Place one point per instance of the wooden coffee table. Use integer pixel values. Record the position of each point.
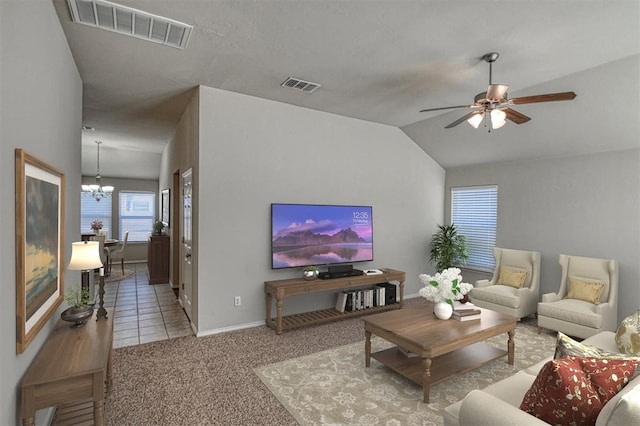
(443, 348)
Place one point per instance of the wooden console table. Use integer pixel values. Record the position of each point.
(72, 365)
(283, 288)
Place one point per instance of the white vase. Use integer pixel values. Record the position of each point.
(443, 310)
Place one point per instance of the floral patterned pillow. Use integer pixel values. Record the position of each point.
(628, 335)
(573, 390)
(565, 345)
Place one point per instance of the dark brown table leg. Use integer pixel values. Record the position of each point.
(367, 348)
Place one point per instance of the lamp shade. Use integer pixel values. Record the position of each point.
(498, 118)
(475, 120)
(85, 255)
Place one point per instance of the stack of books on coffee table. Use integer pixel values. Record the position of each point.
(466, 313)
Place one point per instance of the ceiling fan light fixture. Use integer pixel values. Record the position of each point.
(490, 105)
(475, 120)
(498, 118)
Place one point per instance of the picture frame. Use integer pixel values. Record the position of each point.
(165, 207)
(40, 212)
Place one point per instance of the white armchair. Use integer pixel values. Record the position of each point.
(515, 286)
(585, 281)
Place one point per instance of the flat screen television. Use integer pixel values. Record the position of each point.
(314, 234)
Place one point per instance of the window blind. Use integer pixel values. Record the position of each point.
(474, 211)
(91, 210)
(137, 214)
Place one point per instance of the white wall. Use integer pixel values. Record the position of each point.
(585, 206)
(41, 113)
(255, 152)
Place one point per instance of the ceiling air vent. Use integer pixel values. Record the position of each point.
(304, 86)
(132, 22)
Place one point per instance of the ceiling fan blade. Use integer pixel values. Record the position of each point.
(496, 92)
(515, 116)
(449, 107)
(462, 119)
(549, 97)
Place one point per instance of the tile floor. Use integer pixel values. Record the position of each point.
(144, 313)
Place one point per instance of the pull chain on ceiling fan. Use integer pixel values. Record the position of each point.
(494, 107)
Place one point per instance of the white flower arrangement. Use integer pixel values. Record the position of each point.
(445, 286)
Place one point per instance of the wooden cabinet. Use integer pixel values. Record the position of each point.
(158, 259)
(281, 289)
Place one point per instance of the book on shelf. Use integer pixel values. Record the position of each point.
(341, 302)
(355, 300)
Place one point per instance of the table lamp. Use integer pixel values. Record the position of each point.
(85, 256)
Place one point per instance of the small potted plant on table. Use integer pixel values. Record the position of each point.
(158, 228)
(80, 308)
(310, 273)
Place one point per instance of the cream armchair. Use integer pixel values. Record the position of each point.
(514, 288)
(587, 301)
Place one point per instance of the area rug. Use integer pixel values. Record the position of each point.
(333, 387)
(116, 275)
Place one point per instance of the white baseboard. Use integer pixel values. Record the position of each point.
(230, 328)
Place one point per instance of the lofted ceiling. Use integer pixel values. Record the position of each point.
(377, 60)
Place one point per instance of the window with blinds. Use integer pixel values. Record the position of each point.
(91, 210)
(474, 211)
(137, 214)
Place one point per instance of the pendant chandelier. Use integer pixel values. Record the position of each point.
(98, 191)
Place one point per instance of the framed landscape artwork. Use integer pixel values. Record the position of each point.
(39, 245)
(165, 207)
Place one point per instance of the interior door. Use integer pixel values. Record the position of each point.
(186, 286)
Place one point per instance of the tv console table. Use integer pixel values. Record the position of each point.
(281, 289)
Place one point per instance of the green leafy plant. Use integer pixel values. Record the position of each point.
(158, 227)
(311, 269)
(78, 297)
(448, 248)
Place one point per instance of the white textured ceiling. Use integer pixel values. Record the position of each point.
(377, 60)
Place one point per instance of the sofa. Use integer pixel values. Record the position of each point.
(498, 404)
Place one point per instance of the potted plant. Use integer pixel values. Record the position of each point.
(96, 226)
(448, 248)
(158, 227)
(310, 273)
(80, 308)
(442, 289)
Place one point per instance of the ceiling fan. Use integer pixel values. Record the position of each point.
(494, 107)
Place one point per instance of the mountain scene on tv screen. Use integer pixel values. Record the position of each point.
(302, 248)
(309, 238)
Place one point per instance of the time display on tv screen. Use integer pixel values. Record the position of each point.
(313, 234)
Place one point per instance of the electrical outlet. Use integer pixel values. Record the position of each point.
(237, 301)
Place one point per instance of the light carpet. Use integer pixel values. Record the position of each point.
(333, 387)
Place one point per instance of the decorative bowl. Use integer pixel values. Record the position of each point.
(310, 274)
(77, 315)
